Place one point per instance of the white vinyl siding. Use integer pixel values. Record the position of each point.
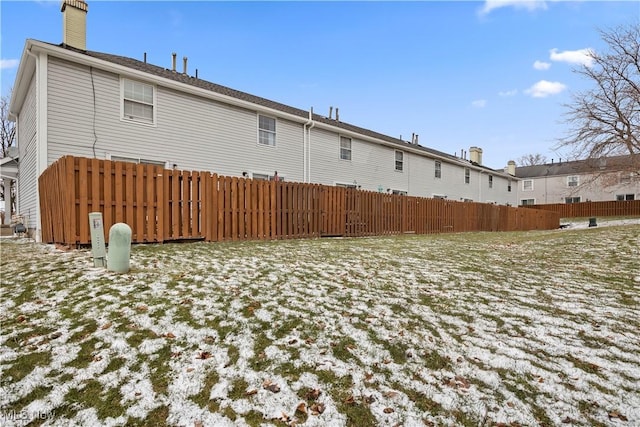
(27, 165)
(193, 132)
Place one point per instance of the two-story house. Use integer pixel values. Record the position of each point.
(68, 100)
(604, 179)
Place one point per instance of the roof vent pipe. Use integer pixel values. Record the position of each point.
(416, 139)
(173, 61)
(330, 111)
(184, 65)
(196, 73)
(145, 57)
(337, 114)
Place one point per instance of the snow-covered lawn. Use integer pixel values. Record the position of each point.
(504, 329)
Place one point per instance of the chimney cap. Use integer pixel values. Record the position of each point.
(78, 4)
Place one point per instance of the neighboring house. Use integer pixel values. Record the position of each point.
(613, 178)
(71, 101)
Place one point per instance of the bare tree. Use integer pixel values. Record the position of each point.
(532, 160)
(605, 120)
(8, 137)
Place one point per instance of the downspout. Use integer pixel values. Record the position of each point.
(34, 222)
(307, 156)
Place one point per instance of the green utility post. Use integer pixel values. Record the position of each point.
(119, 248)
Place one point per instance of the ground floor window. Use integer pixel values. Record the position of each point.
(625, 197)
(527, 202)
(572, 199)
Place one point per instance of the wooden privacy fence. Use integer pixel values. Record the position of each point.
(163, 205)
(593, 209)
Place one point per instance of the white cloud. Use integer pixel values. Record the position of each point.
(6, 64)
(541, 65)
(512, 92)
(580, 56)
(545, 88)
(479, 103)
(529, 5)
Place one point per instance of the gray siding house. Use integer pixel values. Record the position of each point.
(604, 179)
(68, 100)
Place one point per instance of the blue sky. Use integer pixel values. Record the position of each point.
(492, 74)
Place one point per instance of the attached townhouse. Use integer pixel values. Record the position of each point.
(68, 100)
(604, 179)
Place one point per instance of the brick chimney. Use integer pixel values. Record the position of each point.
(74, 23)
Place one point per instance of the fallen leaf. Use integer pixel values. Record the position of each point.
(618, 415)
(203, 355)
(272, 387)
(169, 335)
(190, 369)
(386, 361)
(317, 408)
(198, 424)
(106, 325)
(390, 394)
(312, 394)
(142, 307)
(388, 410)
(368, 376)
(293, 341)
(21, 318)
(349, 400)
(567, 420)
(309, 341)
(251, 392)
(55, 335)
(97, 358)
(209, 340)
(369, 399)
(302, 407)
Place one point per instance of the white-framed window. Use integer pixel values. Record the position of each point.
(490, 181)
(572, 199)
(620, 197)
(467, 175)
(438, 169)
(439, 196)
(572, 181)
(527, 202)
(266, 130)
(264, 176)
(345, 148)
(345, 185)
(509, 186)
(138, 160)
(399, 192)
(138, 101)
(527, 185)
(399, 165)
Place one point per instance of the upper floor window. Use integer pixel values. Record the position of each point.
(138, 101)
(345, 148)
(509, 186)
(490, 181)
(527, 185)
(266, 130)
(467, 175)
(572, 181)
(438, 165)
(399, 161)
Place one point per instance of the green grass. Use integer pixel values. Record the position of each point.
(371, 324)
